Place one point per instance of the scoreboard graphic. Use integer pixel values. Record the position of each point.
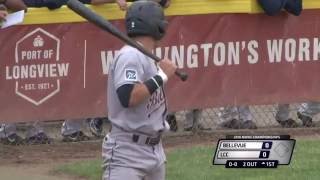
(254, 151)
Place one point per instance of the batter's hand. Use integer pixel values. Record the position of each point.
(167, 67)
(3, 15)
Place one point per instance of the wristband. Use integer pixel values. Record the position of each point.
(153, 83)
(163, 75)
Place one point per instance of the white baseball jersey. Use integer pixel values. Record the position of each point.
(148, 117)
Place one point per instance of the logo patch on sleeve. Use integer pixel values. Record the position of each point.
(131, 75)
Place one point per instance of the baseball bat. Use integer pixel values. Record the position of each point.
(104, 24)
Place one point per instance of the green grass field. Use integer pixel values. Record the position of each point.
(195, 164)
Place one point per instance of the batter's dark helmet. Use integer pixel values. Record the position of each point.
(145, 18)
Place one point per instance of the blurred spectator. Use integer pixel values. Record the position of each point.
(71, 129)
(55, 4)
(122, 4)
(283, 118)
(305, 113)
(273, 7)
(237, 117)
(96, 125)
(193, 122)
(3, 13)
(9, 136)
(163, 3)
(13, 5)
(50, 4)
(35, 135)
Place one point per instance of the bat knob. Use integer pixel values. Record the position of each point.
(182, 75)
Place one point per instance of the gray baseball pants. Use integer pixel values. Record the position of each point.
(124, 159)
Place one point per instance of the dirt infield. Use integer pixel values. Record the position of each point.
(37, 161)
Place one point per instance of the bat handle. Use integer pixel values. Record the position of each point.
(182, 75)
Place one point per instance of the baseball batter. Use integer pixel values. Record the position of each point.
(137, 102)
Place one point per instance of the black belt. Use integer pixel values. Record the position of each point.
(136, 138)
(148, 141)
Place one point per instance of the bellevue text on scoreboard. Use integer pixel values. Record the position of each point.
(254, 151)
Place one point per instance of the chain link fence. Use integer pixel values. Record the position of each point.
(264, 116)
(206, 120)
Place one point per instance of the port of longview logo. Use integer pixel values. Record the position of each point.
(37, 70)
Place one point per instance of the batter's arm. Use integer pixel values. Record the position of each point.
(133, 94)
(139, 93)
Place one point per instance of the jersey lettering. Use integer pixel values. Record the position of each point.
(156, 99)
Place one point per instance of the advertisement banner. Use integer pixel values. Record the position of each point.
(59, 71)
